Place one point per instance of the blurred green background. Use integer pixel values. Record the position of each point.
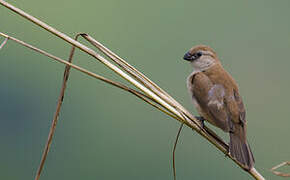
(106, 133)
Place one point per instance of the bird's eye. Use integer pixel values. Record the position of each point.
(198, 54)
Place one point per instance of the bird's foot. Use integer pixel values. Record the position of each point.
(201, 119)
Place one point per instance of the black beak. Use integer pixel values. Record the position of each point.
(187, 56)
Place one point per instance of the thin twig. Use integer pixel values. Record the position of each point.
(3, 43)
(173, 152)
(56, 114)
(278, 173)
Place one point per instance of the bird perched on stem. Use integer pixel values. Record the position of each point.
(216, 97)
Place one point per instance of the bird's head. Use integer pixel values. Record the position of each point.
(201, 57)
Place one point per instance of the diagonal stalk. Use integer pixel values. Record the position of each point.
(114, 83)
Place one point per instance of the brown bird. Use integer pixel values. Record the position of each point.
(216, 97)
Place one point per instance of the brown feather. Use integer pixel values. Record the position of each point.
(201, 92)
(216, 97)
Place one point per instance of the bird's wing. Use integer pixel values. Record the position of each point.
(210, 97)
(236, 108)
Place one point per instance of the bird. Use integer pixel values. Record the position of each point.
(216, 96)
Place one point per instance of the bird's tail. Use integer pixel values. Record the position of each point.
(240, 149)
